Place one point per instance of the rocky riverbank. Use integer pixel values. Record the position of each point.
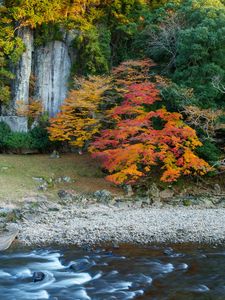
(85, 220)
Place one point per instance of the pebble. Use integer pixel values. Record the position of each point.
(98, 224)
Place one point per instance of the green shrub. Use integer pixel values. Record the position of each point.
(19, 140)
(209, 151)
(40, 140)
(36, 139)
(5, 131)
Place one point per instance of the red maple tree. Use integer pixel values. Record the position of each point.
(143, 138)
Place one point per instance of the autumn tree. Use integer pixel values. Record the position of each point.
(79, 118)
(130, 72)
(32, 110)
(143, 139)
(82, 115)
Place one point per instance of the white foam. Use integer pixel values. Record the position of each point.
(4, 274)
(201, 288)
(117, 286)
(97, 276)
(182, 267)
(161, 268)
(78, 279)
(22, 273)
(34, 296)
(81, 294)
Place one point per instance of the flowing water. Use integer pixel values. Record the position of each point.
(125, 273)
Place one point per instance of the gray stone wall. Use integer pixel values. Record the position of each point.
(17, 124)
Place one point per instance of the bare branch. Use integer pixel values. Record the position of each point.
(217, 84)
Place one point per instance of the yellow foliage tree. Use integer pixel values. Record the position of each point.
(79, 117)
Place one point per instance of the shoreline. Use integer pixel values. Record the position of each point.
(100, 224)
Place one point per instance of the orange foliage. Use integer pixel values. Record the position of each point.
(31, 110)
(131, 72)
(144, 138)
(78, 119)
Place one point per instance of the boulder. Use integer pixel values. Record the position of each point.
(103, 195)
(129, 190)
(68, 195)
(154, 193)
(38, 276)
(166, 194)
(217, 189)
(81, 265)
(8, 236)
(55, 154)
(65, 179)
(43, 187)
(39, 179)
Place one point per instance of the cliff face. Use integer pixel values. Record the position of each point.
(23, 70)
(50, 66)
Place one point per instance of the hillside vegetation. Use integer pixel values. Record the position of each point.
(147, 88)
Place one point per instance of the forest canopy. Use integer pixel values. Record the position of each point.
(185, 38)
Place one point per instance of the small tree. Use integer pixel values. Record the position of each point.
(78, 119)
(144, 138)
(32, 110)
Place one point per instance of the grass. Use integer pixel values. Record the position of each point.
(16, 172)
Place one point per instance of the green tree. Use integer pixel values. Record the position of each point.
(188, 42)
(11, 47)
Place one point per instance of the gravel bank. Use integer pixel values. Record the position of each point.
(98, 223)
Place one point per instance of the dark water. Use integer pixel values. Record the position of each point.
(125, 273)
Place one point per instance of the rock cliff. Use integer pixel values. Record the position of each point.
(50, 67)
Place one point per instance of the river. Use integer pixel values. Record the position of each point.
(156, 272)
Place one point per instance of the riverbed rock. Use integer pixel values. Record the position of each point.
(68, 195)
(168, 251)
(166, 194)
(55, 154)
(217, 189)
(129, 190)
(122, 203)
(34, 198)
(103, 195)
(5, 210)
(50, 206)
(220, 203)
(154, 193)
(66, 179)
(63, 179)
(38, 276)
(43, 187)
(39, 179)
(204, 201)
(81, 265)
